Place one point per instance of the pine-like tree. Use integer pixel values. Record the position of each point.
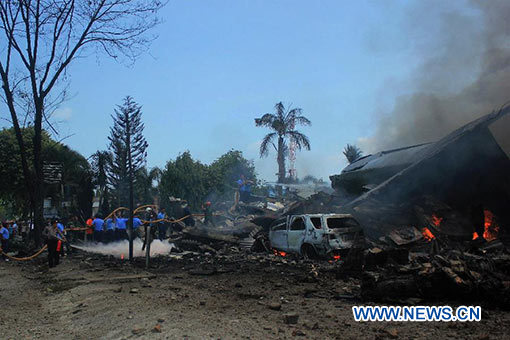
(128, 146)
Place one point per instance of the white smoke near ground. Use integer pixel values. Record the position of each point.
(464, 72)
(121, 248)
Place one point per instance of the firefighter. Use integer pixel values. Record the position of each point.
(150, 228)
(208, 215)
(109, 235)
(162, 226)
(244, 188)
(120, 227)
(4, 237)
(89, 232)
(51, 235)
(98, 224)
(186, 214)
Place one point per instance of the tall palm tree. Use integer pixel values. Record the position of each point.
(283, 123)
(352, 153)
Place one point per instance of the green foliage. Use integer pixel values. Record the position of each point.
(12, 185)
(195, 182)
(76, 170)
(101, 160)
(283, 124)
(225, 171)
(126, 143)
(146, 185)
(185, 178)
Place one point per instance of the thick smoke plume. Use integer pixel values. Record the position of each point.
(464, 73)
(121, 248)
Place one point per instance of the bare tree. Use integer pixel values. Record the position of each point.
(39, 39)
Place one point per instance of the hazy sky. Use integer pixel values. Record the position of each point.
(219, 64)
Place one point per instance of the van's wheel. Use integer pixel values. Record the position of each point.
(309, 252)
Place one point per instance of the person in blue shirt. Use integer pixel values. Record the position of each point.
(98, 225)
(110, 232)
(4, 237)
(120, 228)
(136, 222)
(15, 228)
(61, 228)
(244, 189)
(162, 226)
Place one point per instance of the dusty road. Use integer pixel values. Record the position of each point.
(89, 297)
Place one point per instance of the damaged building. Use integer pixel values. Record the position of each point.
(461, 181)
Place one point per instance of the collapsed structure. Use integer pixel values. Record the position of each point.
(434, 215)
(465, 177)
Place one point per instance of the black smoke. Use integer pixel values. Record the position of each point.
(464, 71)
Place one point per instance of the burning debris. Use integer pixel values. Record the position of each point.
(447, 188)
(491, 229)
(452, 274)
(434, 227)
(427, 234)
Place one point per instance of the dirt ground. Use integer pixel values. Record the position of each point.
(196, 297)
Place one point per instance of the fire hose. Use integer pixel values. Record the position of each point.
(40, 251)
(28, 258)
(144, 222)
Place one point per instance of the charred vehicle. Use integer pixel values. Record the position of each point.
(316, 235)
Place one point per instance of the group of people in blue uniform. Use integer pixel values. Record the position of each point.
(115, 228)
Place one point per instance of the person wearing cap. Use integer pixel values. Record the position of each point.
(61, 228)
(89, 232)
(244, 186)
(4, 237)
(208, 216)
(150, 215)
(186, 212)
(98, 225)
(52, 235)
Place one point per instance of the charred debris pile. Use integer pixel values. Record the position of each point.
(435, 218)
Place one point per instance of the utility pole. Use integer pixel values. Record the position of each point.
(130, 178)
(148, 240)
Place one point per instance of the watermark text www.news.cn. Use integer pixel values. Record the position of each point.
(417, 313)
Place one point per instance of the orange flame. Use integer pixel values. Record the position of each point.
(427, 234)
(436, 221)
(491, 229)
(475, 235)
(335, 258)
(279, 252)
